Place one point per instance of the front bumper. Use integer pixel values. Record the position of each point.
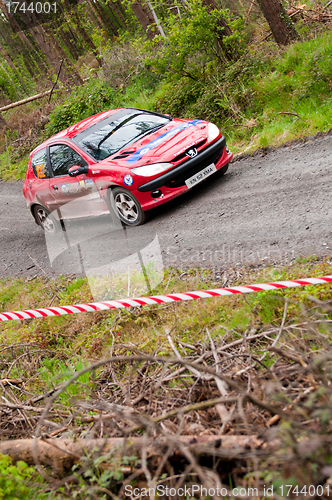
(176, 177)
(169, 192)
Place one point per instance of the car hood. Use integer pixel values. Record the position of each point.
(161, 146)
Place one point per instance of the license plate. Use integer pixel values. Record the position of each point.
(200, 176)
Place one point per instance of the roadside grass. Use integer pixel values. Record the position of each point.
(11, 169)
(89, 336)
(299, 83)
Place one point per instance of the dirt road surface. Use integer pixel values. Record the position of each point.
(267, 208)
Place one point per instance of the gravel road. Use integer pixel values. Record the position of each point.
(267, 208)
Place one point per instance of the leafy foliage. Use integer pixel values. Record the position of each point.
(193, 46)
(223, 97)
(56, 372)
(87, 100)
(14, 481)
(105, 471)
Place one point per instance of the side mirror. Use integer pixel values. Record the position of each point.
(77, 170)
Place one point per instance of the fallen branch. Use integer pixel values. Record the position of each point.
(34, 97)
(285, 354)
(203, 405)
(10, 381)
(24, 101)
(62, 454)
(289, 113)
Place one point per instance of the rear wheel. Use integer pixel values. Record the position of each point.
(44, 219)
(127, 207)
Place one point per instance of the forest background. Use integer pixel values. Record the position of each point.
(260, 70)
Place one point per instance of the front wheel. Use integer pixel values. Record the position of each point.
(127, 207)
(44, 219)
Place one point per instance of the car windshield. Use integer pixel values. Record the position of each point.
(117, 131)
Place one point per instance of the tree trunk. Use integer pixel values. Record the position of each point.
(280, 24)
(145, 18)
(53, 52)
(11, 65)
(3, 122)
(231, 53)
(67, 40)
(95, 12)
(156, 20)
(116, 11)
(7, 57)
(24, 101)
(50, 47)
(112, 19)
(15, 26)
(61, 454)
(15, 48)
(85, 36)
(108, 22)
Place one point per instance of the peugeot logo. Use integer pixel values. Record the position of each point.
(192, 152)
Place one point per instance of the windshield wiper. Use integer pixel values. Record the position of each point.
(143, 134)
(116, 128)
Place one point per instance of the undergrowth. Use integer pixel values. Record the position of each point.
(19, 481)
(38, 356)
(267, 97)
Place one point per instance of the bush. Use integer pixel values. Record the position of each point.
(224, 97)
(195, 42)
(84, 101)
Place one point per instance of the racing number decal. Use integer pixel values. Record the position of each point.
(40, 169)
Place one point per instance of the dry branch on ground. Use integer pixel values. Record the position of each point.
(219, 401)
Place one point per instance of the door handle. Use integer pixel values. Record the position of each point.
(55, 187)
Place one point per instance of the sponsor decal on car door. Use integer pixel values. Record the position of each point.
(73, 196)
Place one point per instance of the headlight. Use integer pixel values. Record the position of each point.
(153, 169)
(213, 131)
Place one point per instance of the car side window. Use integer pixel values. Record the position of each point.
(39, 165)
(62, 158)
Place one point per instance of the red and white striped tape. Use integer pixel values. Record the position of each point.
(159, 299)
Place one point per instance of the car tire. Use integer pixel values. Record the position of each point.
(45, 219)
(127, 207)
(223, 170)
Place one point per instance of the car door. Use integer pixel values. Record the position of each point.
(71, 195)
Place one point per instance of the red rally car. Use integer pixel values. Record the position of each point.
(125, 160)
